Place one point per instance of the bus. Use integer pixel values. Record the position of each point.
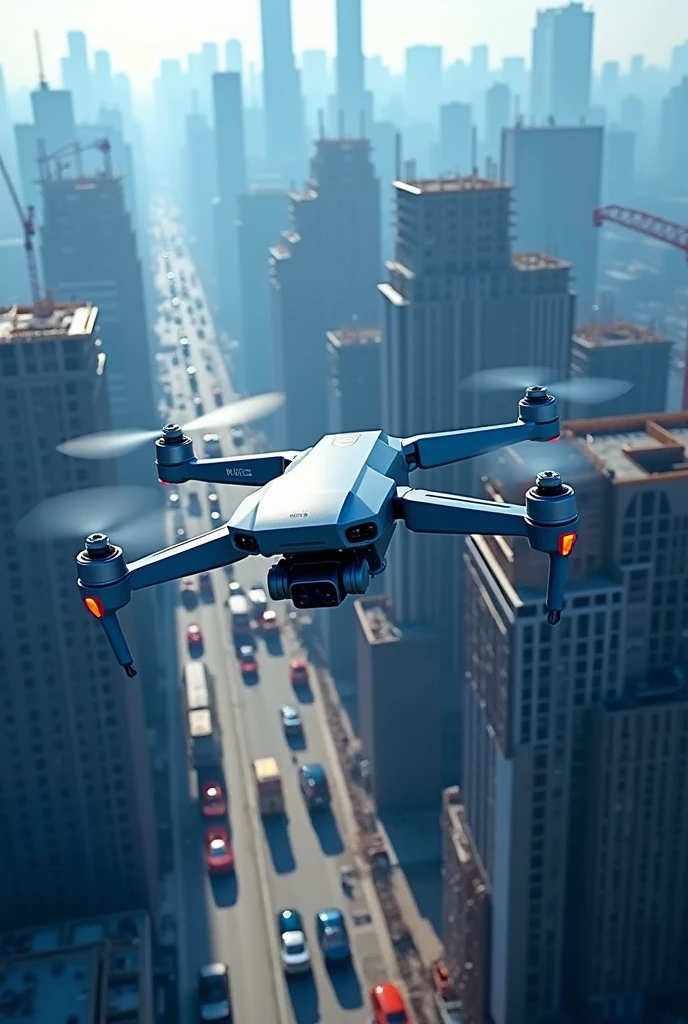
(240, 611)
(268, 785)
(196, 686)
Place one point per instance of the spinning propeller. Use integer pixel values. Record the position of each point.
(583, 390)
(112, 444)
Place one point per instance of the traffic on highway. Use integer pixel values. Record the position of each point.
(265, 927)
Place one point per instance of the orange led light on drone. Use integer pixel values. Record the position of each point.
(566, 542)
(95, 606)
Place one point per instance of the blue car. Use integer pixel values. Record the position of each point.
(333, 937)
(314, 786)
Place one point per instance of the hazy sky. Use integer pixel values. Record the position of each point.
(139, 32)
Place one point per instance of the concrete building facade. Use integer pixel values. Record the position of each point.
(561, 64)
(77, 825)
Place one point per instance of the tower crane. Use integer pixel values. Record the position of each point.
(28, 223)
(675, 235)
(57, 161)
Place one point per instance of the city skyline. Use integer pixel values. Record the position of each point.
(504, 27)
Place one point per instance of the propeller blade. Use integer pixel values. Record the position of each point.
(246, 410)
(106, 444)
(112, 444)
(75, 514)
(583, 390)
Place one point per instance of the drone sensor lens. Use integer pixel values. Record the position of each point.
(364, 531)
(245, 542)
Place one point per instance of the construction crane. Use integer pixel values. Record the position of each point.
(55, 163)
(675, 235)
(28, 223)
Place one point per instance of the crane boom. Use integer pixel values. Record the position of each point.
(29, 229)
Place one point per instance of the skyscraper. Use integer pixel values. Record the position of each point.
(456, 302)
(456, 139)
(351, 102)
(263, 214)
(76, 76)
(556, 174)
(497, 117)
(9, 225)
(284, 115)
(79, 212)
(230, 149)
(324, 276)
(562, 65)
(673, 142)
(200, 191)
(234, 56)
(53, 128)
(574, 799)
(77, 828)
(103, 82)
(423, 83)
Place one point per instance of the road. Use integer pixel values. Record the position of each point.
(296, 864)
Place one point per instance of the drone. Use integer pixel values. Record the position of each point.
(329, 514)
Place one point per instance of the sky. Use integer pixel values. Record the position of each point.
(138, 33)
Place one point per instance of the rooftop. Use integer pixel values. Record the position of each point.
(63, 320)
(83, 972)
(630, 449)
(538, 261)
(617, 333)
(354, 336)
(375, 616)
(429, 185)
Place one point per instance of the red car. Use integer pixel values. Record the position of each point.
(219, 857)
(387, 1004)
(194, 637)
(247, 661)
(213, 800)
(298, 672)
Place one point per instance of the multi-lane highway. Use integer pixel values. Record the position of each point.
(293, 864)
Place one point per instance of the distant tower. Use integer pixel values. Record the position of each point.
(351, 100)
(284, 121)
(562, 64)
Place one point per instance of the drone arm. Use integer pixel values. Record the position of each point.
(249, 470)
(428, 512)
(200, 554)
(427, 451)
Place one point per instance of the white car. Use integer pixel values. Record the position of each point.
(295, 955)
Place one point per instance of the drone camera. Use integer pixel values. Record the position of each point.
(318, 584)
(319, 594)
(363, 531)
(245, 542)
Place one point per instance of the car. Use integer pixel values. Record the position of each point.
(173, 498)
(194, 636)
(200, 334)
(194, 503)
(193, 378)
(199, 408)
(238, 436)
(214, 505)
(206, 584)
(298, 672)
(218, 397)
(179, 527)
(268, 621)
(170, 275)
(235, 588)
(293, 945)
(387, 1004)
(184, 341)
(175, 302)
(214, 993)
(213, 801)
(219, 856)
(187, 589)
(258, 599)
(165, 255)
(314, 786)
(333, 937)
(247, 661)
(291, 720)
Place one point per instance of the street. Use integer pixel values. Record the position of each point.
(295, 864)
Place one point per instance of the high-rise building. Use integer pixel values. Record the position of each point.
(574, 796)
(10, 227)
(673, 148)
(457, 302)
(52, 129)
(234, 56)
(556, 174)
(351, 101)
(497, 117)
(324, 276)
(561, 65)
(77, 828)
(230, 149)
(263, 215)
(456, 156)
(103, 81)
(316, 87)
(79, 212)
(284, 115)
(200, 191)
(618, 167)
(76, 76)
(384, 140)
(393, 717)
(423, 83)
(627, 352)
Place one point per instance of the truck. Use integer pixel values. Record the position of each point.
(240, 612)
(197, 686)
(204, 739)
(266, 772)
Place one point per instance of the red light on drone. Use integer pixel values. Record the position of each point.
(95, 606)
(165, 483)
(566, 542)
(553, 440)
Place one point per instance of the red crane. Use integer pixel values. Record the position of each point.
(28, 223)
(675, 235)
